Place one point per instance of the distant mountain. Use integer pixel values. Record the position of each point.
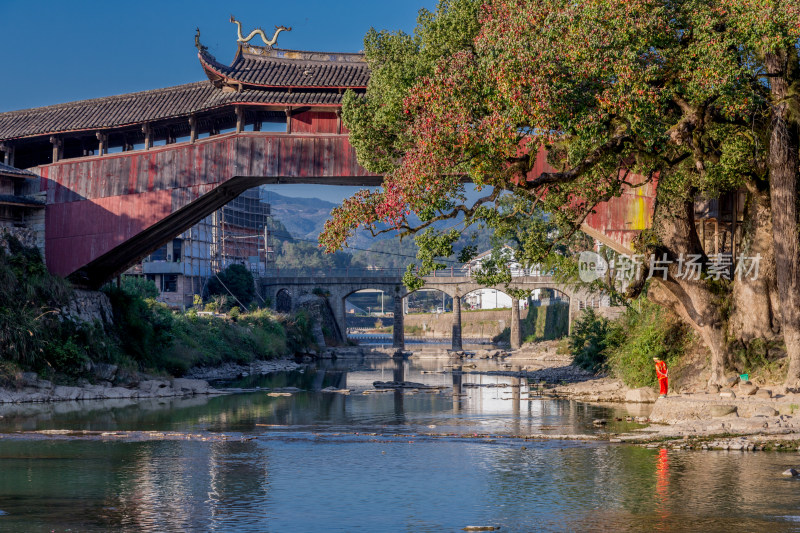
(304, 218)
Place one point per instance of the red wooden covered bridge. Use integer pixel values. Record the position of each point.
(124, 174)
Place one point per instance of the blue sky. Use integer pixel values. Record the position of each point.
(57, 51)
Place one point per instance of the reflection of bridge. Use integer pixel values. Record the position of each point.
(286, 286)
(125, 174)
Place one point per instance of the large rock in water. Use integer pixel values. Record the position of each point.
(641, 395)
(721, 410)
(400, 385)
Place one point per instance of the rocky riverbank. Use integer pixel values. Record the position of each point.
(33, 389)
(739, 417)
(234, 370)
(111, 384)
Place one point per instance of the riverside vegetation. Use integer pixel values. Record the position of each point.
(624, 348)
(146, 336)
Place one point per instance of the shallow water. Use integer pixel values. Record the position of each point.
(426, 461)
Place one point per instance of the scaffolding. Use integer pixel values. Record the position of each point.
(237, 233)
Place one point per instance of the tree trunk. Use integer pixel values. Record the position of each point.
(755, 309)
(691, 299)
(782, 161)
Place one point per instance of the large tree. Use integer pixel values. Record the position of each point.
(698, 95)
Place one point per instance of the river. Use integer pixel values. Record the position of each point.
(432, 460)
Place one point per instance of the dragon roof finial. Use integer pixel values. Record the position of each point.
(258, 31)
(197, 43)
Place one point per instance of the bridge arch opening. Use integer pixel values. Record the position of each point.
(369, 314)
(546, 315)
(283, 301)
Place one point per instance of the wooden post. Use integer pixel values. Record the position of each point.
(148, 139)
(703, 234)
(339, 121)
(102, 140)
(288, 112)
(192, 128)
(716, 235)
(239, 119)
(8, 154)
(58, 151)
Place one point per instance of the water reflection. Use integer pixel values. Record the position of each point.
(318, 461)
(457, 403)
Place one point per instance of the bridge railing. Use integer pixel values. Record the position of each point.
(454, 271)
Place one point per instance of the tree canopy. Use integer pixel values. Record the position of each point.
(236, 281)
(698, 96)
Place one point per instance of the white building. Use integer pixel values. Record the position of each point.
(492, 298)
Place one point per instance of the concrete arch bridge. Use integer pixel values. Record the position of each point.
(287, 286)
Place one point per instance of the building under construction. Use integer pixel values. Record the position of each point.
(238, 233)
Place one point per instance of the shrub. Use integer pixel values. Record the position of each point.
(643, 334)
(591, 337)
(137, 286)
(29, 301)
(235, 280)
(144, 326)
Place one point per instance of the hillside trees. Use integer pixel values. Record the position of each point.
(698, 95)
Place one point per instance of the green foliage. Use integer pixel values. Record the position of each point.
(235, 281)
(592, 336)
(299, 332)
(643, 332)
(30, 299)
(67, 355)
(146, 334)
(138, 286)
(757, 357)
(299, 255)
(144, 327)
(397, 60)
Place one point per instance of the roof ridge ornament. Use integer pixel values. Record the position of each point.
(258, 31)
(197, 43)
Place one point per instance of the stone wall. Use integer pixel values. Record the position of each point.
(89, 306)
(321, 314)
(30, 237)
(475, 324)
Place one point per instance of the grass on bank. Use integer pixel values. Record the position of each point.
(625, 347)
(35, 334)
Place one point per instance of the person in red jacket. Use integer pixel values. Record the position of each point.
(661, 374)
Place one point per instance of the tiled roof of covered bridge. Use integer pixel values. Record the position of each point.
(264, 67)
(145, 106)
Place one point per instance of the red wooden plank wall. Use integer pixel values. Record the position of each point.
(96, 203)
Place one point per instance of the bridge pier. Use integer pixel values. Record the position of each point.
(339, 308)
(572, 307)
(398, 335)
(516, 334)
(456, 345)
